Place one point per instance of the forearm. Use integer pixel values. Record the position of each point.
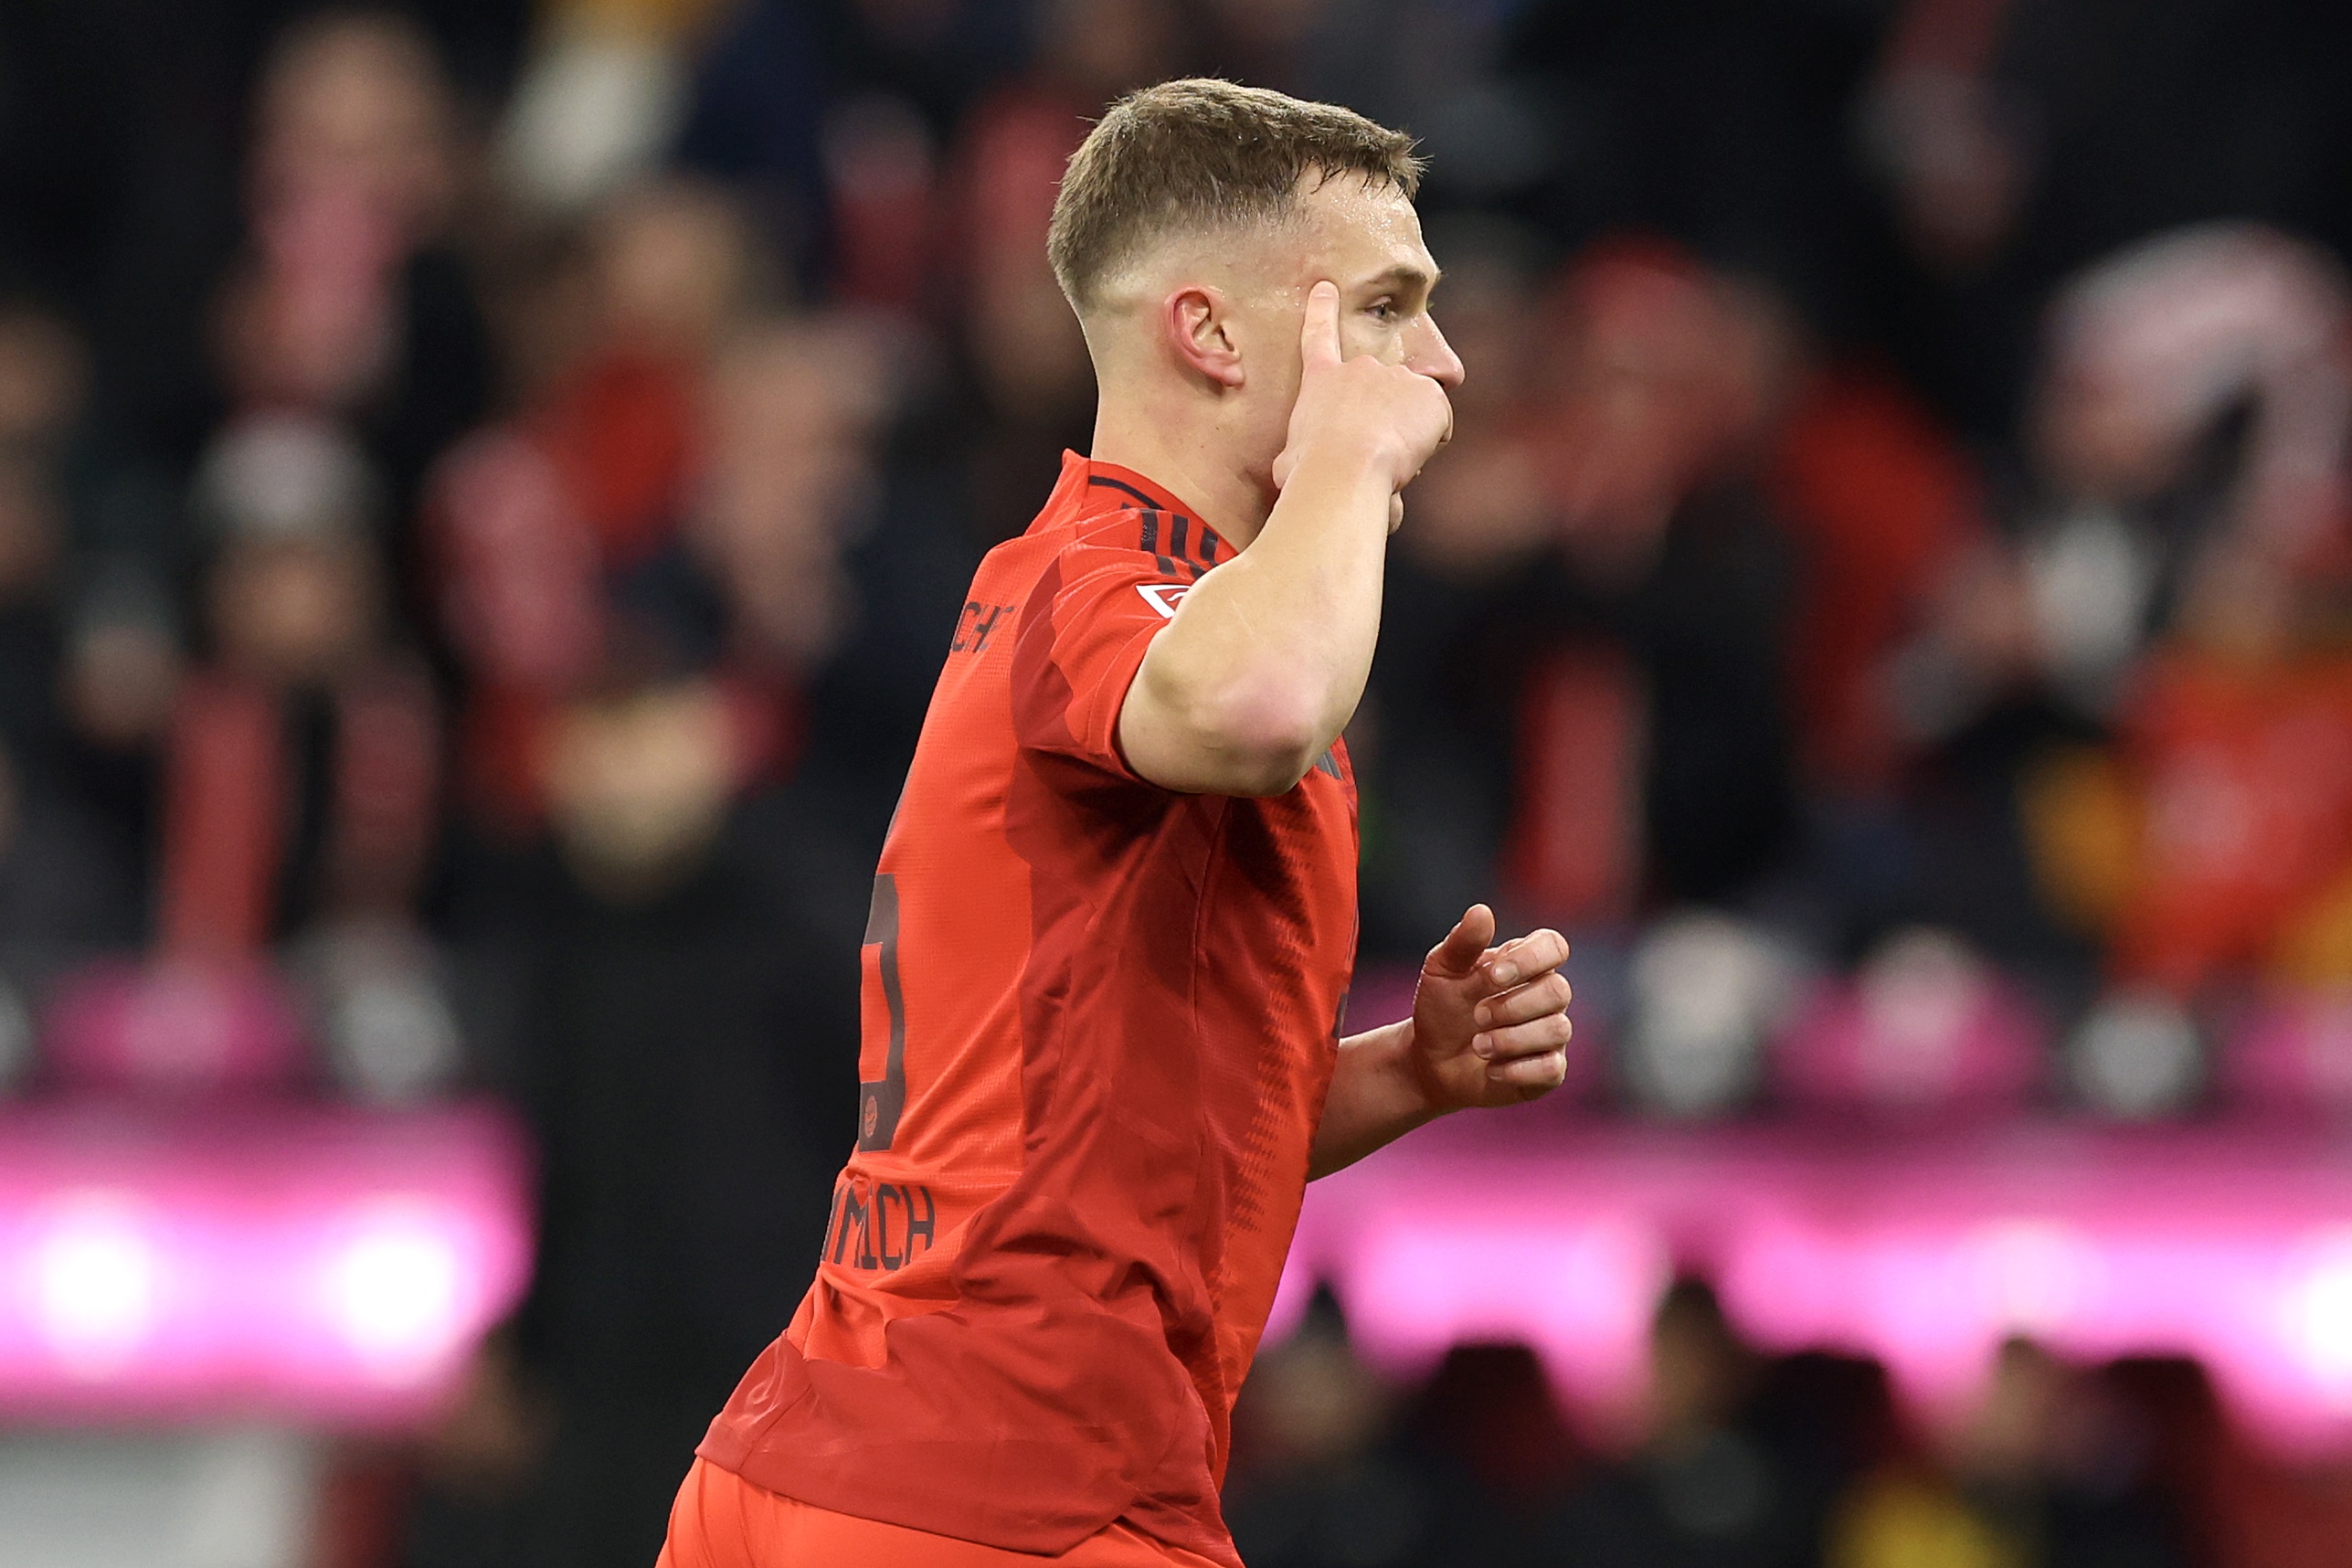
(1376, 1098)
(1266, 657)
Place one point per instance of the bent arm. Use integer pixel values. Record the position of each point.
(1265, 659)
(1489, 1027)
(1376, 1099)
(1267, 654)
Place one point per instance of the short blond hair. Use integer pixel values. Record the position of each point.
(1204, 153)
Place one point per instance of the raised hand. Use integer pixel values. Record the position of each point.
(1490, 1023)
(1395, 416)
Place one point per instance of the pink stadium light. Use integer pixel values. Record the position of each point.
(323, 1265)
(2292, 1051)
(176, 1028)
(2231, 1245)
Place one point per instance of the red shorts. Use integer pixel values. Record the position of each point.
(721, 1520)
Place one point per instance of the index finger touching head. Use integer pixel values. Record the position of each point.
(1318, 331)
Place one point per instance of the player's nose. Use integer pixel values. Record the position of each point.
(1434, 357)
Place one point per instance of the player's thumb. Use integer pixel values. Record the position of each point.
(1465, 945)
(1318, 330)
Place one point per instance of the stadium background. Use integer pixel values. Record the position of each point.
(483, 492)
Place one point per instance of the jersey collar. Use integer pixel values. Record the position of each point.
(1089, 486)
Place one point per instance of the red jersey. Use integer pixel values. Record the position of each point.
(1099, 1021)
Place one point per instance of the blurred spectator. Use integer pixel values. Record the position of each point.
(304, 755)
(2188, 447)
(349, 301)
(1710, 1483)
(2172, 593)
(2229, 1503)
(2019, 142)
(126, 124)
(818, 167)
(530, 517)
(2195, 403)
(1630, 669)
(2050, 1469)
(681, 990)
(1019, 345)
(120, 676)
(1486, 1428)
(1324, 1484)
(602, 99)
(41, 375)
(791, 479)
(69, 882)
(64, 890)
(672, 269)
(1888, 510)
(1432, 741)
(681, 963)
(883, 187)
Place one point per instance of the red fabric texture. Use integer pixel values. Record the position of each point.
(721, 1520)
(1115, 1013)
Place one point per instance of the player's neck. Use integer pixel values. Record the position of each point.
(1195, 471)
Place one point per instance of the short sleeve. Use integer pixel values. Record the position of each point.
(1082, 634)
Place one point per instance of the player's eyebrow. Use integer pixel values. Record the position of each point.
(1407, 275)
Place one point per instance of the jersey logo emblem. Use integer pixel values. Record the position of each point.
(1163, 597)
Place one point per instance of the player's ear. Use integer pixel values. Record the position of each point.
(1199, 327)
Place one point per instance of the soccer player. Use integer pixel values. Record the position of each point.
(1115, 919)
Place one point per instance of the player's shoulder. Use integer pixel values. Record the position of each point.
(1100, 520)
(1079, 540)
(1117, 518)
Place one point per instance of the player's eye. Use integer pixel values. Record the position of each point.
(1385, 311)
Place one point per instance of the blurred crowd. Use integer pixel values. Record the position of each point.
(1738, 1460)
(484, 490)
